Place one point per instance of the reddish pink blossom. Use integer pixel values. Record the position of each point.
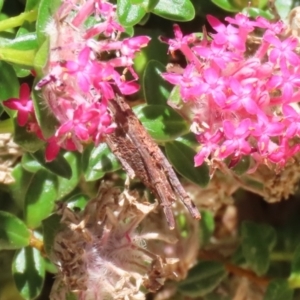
(241, 104)
(227, 35)
(23, 104)
(83, 73)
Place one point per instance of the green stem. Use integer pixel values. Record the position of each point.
(13, 22)
(7, 126)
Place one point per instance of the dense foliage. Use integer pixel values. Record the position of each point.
(101, 101)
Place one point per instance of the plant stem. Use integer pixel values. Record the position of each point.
(37, 244)
(13, 22)
(233, 269)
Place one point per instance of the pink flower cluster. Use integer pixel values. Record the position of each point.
(244, 90)
(87, 65)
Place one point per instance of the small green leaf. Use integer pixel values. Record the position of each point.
(30, 164)
(65, 186)
(24, 58)
(51, 226)
(181, 156)
(78, 201)
(19, 188)
(59, 166)
(254, 12)
(9, 84)
(175, 10)
(41, 58)
(96, 161)
(226, 5)
(23, 42)
(243, 166)
(278, 289)
(31, 4)
(283, 7)
(50, 266)
(257, 242)
(45, 118)
(207, 227)
(156, 89)
(27, 140)
(40, 198)
(202, 279)
(13, 232)
(161, 122)
(129, 14)
(29, 272)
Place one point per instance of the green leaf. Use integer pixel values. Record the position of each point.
(202, 279)
(181, 156)
(129, 14)
(278, 289)
(78, 201)
(45, 12)
(41, 59)
(96, 161)
(254, 12)
(294, 279)
(44, 116)
(40, 198)
(29, 272)
(29, 163)
(27, 140)
(65, 186)
(175, 10)
(22, 42)
(24, 58)
(19, 188)
(156, 89)
(284, 7)
(31, 4)
(50, 266)
(226, 5)
(9, 84)
(207, 227)
(257, 242)
(243, 166)
(51, 226)
(161, 122)
(13, 232)
(59, 166)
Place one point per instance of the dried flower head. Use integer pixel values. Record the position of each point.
(102, 253)
(9, 153)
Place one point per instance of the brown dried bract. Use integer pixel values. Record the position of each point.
(141, 157)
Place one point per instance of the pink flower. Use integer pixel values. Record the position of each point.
(283, 51)
(236, 139)
(227, 35)
(81, 69)
(23, 104)
(239, 101)
(83, 73)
